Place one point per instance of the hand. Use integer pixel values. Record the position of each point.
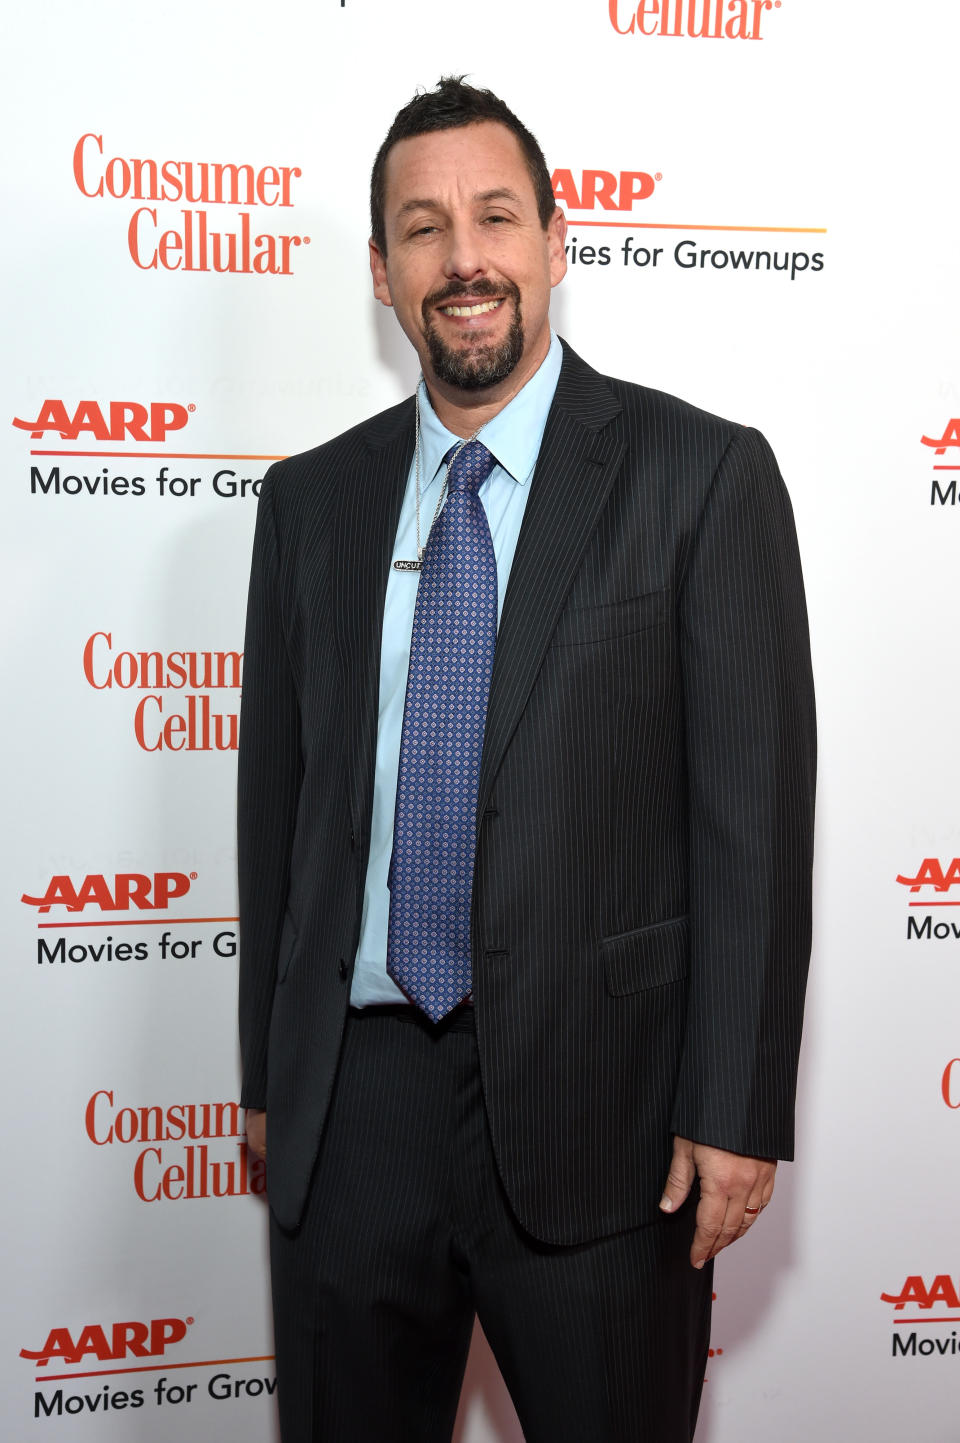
(733, 1191)
(257, 1132)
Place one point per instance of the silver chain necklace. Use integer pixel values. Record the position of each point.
(416, 565)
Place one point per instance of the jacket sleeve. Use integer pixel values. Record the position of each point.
(751, 759)
(270, 775)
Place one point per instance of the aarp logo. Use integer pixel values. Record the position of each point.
(612, 190)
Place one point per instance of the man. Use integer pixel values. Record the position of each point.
(524, 931)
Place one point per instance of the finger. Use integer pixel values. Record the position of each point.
(711, 1216)
(257, 1134)
(751, 1212)
(730, 1228)
(678, 1183)
(755, 1206)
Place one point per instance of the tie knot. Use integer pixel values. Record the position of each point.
(471, 467)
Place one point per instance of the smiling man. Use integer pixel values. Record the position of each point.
(525, 820)
(463, 243)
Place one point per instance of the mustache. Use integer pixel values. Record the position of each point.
(482, 289)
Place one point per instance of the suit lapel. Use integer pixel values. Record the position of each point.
(577, 465)
(367, 528)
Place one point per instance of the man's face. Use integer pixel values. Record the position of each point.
(468, 267)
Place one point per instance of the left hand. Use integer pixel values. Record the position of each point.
(733, 1191)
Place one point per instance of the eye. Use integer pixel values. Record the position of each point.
(420, 230)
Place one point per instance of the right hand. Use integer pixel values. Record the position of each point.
(257, 1132)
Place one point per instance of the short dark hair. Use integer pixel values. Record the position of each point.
(451, 105)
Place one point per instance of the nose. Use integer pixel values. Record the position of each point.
(465, 258)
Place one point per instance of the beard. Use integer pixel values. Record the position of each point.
(473, 367)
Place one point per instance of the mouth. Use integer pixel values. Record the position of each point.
(478, 308)
(469, 347)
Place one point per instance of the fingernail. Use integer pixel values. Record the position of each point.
(666, 1204)
(700, 1264)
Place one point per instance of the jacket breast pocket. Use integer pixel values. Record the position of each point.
(647, 957)
(579, 625)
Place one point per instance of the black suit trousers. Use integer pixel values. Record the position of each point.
(407, 1235)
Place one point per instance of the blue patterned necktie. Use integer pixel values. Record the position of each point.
(434, 835)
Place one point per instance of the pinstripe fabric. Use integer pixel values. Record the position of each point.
(641, 915)
(407, 1231)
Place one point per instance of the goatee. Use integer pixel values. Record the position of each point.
(474, 367)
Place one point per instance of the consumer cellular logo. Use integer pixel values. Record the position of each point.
(950, 1084)
(193, 723)
(692, 19)
(193, 238)
(185, 1151)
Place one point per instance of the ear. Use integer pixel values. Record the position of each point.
(378, 269)
(556, 241)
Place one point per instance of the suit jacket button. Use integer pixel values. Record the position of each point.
(343, 969)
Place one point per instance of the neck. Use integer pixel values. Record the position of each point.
(464, 419)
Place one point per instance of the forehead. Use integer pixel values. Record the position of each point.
(446, 165)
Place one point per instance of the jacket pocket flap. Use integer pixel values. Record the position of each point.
(616, 618)
(648, 957)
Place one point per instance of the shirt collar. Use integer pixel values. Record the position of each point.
(513, 435)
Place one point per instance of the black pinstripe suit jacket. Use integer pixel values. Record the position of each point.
(641, 920)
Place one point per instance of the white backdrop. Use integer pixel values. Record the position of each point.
(134, 1269)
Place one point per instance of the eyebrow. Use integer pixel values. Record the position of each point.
(502, 193)
(483, 197)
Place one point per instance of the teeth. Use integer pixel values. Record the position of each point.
(477, 310)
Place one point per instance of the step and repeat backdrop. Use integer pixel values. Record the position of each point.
(763, 218)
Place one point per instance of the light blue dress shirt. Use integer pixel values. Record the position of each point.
(514, 437)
